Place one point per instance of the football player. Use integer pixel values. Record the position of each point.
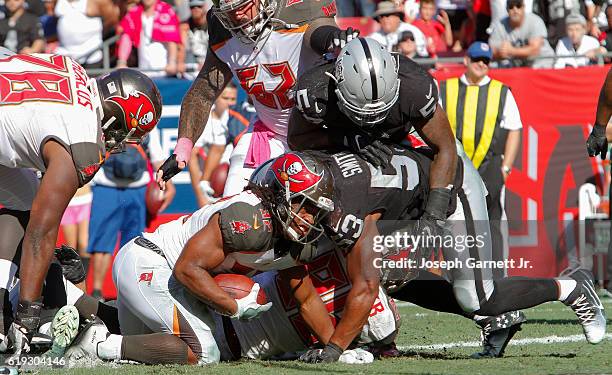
(369, 202)
(165, 278)
(265, 45)
(56, 122)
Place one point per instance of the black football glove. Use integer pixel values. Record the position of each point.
(597, 143)
(170, 168)
(374, 152)
(330, 353)
(27, 320)
(72, 266)
(430, 225)
(341, 37)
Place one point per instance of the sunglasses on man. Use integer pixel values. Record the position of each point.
(514, 5)
(483, 59)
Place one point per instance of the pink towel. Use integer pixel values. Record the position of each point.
(259, 148)
(165, 24)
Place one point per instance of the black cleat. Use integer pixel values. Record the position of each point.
(497, 331)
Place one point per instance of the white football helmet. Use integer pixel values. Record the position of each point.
(249, 31)
(367, 83)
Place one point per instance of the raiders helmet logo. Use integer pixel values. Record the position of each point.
(291, 170)
(138, 111)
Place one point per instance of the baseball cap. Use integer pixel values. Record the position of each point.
(574, 18)
(479, 49)
(199, 3)
(406, 35)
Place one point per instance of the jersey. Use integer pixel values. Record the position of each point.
(246, 230)
(269, 71)
(45, 97)
(418, 98)
(282, 329)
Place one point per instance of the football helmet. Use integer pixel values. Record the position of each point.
(298, 180)
(367, 83)
(130, 106)
(252, 28)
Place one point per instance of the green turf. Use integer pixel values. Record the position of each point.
(423, 327)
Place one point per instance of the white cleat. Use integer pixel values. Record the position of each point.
(85, 345)
(64, 328)
(588, 307)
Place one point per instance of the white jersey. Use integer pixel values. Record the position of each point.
(44, 97)
(269, 71)
(282, 330)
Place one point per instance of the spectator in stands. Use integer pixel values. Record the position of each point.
(75, 222)
(220, 132)
(79, 29)
(492, 141)
(457, 11)
(576, 43)
(197, 40)
(49, 25)
(607, 41)
(118, 207)
(437, 31)
(153, 28)
(554, 17)
(520, 37)
(390, 17)
(21, 31)
(411, 10)
(355, 8)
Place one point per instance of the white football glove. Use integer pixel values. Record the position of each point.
(248, 308)
(207, 190)
(356, 357)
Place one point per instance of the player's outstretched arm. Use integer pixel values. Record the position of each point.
(195, 109)
(202, 253)
(57, 187)
(597, 142)
(365, 280)
(437, 133)
(306, 135)
(312, 309)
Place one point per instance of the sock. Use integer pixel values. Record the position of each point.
(110, 348)
(478, 318)
(155, 349)
(518, 293)
(87, 306)
(566, 287)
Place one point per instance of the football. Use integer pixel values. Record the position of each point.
(217, 179)
(239, 286)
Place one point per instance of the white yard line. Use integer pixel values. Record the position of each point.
(519, 342)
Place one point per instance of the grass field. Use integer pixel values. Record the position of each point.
(423, 331)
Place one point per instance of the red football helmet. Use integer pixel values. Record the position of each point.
(298, 180)
(131, 106)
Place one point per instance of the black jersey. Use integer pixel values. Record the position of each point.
(418, 99)
(397, 192)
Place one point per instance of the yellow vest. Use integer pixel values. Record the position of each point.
(474, 113)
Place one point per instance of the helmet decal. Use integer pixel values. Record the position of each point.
(138, 110)
(290, 169)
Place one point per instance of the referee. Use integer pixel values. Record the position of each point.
(484, 116)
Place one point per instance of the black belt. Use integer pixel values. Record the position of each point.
(143, 242)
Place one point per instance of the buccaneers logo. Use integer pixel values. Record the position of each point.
(290, 169)
(138, 111)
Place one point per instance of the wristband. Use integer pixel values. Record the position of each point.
(183, 148)
(437, 202)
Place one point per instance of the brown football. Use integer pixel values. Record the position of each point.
(217, 179)
(239, 286)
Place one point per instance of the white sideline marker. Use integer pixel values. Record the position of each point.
(519, 342)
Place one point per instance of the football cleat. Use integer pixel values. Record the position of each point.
(587, 306)
(85, 344)
(496, 332)
(64, 328)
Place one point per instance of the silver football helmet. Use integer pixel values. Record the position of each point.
(252, 29)
(367, 83)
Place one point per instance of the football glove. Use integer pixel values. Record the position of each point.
(170, 168)
(341, 37)
(72, 266)
(330, 353)
(597, 143)
(27, 320)
(248, 308)
(374, 152)
(207, 190)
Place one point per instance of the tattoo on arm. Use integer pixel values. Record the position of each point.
(203, 92)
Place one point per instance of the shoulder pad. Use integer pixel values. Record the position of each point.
(245, 227)
(301, 12)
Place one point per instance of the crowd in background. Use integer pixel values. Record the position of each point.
(170, 36)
